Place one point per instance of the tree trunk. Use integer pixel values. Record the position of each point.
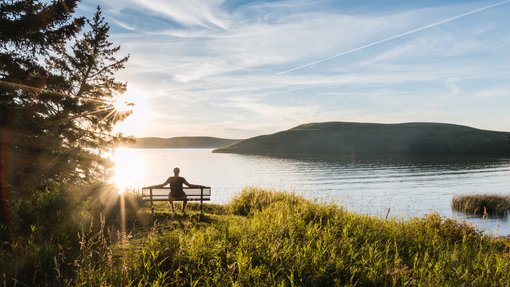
(5, 214)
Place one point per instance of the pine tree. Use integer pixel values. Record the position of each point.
(86, 113)
(29, 31)
(57, 87)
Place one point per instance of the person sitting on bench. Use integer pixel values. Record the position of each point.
(176, 190)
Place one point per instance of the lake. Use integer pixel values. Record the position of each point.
(404, 187)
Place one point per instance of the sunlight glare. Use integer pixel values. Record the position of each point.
(139, 120)
(121, 105)
(127, 170)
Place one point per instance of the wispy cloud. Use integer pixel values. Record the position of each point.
(186, 13)
(399, 35)
(452, 86)
(213, 63)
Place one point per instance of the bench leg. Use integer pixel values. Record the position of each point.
(152, 203)
(201, 203)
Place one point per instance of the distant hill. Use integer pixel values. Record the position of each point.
(180, 142)
(370, 139)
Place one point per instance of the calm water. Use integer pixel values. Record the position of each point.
(408, 188)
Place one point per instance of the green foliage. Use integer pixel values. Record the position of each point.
(57, 87)
(29, 32)
(32, 262)
(87, 73)
(482, 204)
(288, 241)
(106, 201)
(252, 199)
(46, 231)
(62, 232)
(281, 240)
(49, 211)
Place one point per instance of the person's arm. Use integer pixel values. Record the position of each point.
(192, 185)
(159, 185)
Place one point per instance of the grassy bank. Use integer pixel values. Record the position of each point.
(268, 238)
(265, 238)
(482, 204)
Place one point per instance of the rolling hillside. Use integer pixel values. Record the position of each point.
(181, 142)
(359, 139)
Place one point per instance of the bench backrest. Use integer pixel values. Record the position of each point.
(162, 193)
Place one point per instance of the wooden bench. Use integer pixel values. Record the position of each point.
(161, 194)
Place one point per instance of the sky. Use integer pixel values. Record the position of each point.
(238, 68)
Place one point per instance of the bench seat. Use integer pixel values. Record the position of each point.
(161, 194)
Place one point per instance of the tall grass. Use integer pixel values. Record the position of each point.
(253, 199)
(277, 239)
(269, 238)
(482, 204)
(50, 225)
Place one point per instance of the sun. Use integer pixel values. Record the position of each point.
(135, 100)
(122, 105)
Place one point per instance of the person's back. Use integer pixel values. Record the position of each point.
(176, 186)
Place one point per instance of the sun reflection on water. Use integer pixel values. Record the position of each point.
(128, 169)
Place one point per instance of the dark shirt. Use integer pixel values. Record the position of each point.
(176, 183)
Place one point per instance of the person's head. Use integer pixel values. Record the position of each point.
(176, 171)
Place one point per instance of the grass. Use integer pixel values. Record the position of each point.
(482, 204)
(271, 238)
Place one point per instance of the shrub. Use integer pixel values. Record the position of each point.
(482, 204)
(253, 199)
(104, 200)
(47, 223)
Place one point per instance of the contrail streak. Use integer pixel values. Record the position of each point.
(432, 25)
